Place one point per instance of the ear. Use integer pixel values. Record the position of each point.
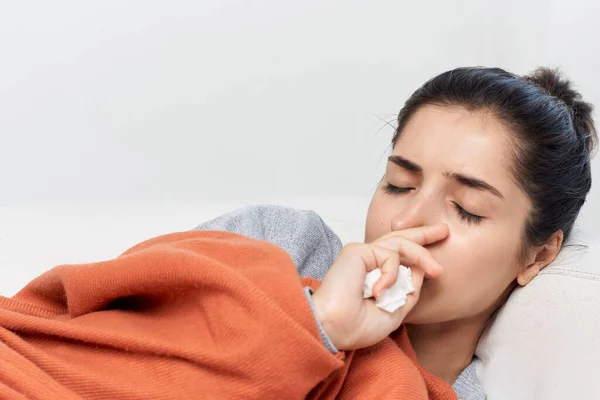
(542, 257)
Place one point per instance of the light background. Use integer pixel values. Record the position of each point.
(124, 107)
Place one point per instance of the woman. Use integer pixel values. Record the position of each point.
(486, 178)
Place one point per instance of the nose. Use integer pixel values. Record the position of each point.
(421, 211)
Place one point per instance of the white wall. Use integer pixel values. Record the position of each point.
(153, 101)
(135, 100)
(564, 34)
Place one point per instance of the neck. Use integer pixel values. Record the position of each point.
(446, 349)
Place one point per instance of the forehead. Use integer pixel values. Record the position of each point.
(457, 140)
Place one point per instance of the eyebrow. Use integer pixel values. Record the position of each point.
(404, 163)
(460, 178)
(474, 183)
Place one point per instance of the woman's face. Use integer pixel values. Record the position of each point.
(451, 166)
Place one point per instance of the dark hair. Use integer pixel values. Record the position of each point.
(554, 136)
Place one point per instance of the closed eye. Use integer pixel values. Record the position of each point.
(462, 213)
(467, 216)
(391, 189)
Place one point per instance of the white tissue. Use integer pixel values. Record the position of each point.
(394, 297)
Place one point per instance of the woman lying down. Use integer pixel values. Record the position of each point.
(486, 178)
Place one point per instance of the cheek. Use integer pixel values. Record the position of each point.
(378, 219)
(477, 259)
(479, 267)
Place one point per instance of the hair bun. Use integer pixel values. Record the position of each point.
(556, 85)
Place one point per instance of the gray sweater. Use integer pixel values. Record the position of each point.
(313, 247)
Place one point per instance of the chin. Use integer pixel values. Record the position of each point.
(415, 317)
(424, 313)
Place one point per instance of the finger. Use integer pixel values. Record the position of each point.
(422, 235)
(388, 262)
(412, 255)
(364, 251)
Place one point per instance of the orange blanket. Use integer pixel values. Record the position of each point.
(195, 315)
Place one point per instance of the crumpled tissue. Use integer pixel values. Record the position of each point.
(394, 297)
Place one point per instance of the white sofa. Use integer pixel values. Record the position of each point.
(545, 342)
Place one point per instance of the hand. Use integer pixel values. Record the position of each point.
(352, 322)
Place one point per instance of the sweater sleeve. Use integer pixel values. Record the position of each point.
(311, 244)
(324, 336)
